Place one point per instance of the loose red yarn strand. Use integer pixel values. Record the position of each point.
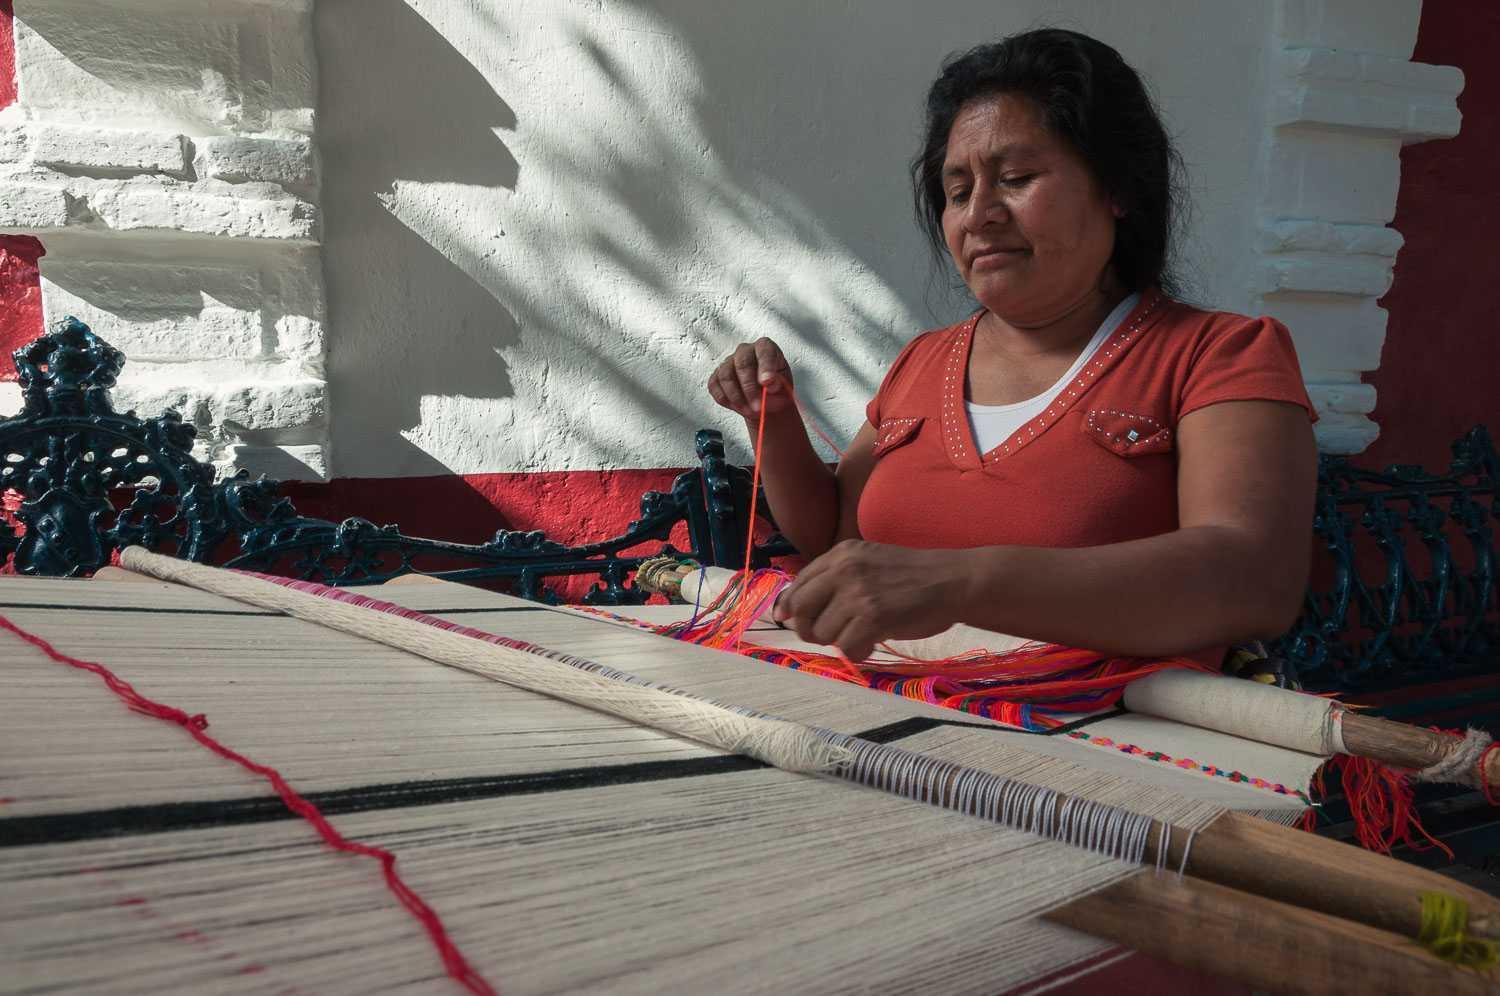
(453, 960)
(760, 437)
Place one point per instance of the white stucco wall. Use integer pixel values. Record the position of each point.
(163, 152)
(545, 221)
(539, 223)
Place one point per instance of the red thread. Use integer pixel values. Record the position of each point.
(453, 960)
(760, 436)
(1380, 803)
(1481, 776)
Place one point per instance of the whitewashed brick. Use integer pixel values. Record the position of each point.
(1302, 235)
(300, 338)
(12, 145)
(289, 163)
(131, 205)
(1345, 434)
(160, 312)
(270, 405)
(283, 463)
(1351, 275)
(150, 398)
(1331, 331)
(1339, 177)
(31, 207)
(1386, 27)
(10, 398)
(1352, 399)
(108, 149)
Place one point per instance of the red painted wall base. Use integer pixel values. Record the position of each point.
(1440, 371)
(20, 294)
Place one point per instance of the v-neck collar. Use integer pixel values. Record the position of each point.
(958, 435)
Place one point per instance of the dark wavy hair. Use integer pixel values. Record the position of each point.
(1094, 101)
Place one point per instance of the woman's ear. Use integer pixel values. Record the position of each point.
(1116, 210)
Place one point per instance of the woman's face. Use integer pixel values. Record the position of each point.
(1029, 228)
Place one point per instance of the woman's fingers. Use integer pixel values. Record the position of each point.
(856, 641)
(747, 371)
(753, 368)
(730, 389)
(771, 364)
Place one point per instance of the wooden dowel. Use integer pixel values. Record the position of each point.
(1403, 745)
(1303, 869)
(1268, 945)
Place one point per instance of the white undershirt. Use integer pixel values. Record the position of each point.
(994, 424)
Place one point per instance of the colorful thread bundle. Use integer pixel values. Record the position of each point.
(1032, 688)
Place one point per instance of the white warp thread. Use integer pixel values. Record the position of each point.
(1245, 709)
(1103, 829)
(1461, 765)
(786, 745)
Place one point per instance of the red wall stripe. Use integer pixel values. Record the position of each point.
(7, 53)
(20, 284)
(20, 297)
(570, 506)
(1440, 371)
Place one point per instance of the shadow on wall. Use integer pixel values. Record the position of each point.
(211, 73)
(399, 106)
(490, 318)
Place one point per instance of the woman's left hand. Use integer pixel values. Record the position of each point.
(859, 594)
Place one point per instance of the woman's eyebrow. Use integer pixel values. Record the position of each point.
(996, 156)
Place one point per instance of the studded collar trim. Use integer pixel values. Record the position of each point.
(958, 438)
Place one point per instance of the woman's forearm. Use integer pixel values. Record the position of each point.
(800, 488)
(1177, 593)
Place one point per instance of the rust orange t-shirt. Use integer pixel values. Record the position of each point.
(1098, 466)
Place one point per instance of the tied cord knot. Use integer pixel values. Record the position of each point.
(1445, 922)
(197, 721)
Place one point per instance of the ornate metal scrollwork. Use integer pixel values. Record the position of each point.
(1410, 590)
(92, 480)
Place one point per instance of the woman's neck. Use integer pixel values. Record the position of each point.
(1065, 330)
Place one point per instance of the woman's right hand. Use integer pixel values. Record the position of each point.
(736, 383)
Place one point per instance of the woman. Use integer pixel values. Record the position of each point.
(1085, 461)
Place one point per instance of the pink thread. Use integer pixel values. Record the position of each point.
(453, 960)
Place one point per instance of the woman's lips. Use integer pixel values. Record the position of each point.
(992, 259)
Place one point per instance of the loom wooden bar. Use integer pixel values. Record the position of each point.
(1303, 869)
(1266, 944)
(1237, 852)
(1300, 869)
(1404, 746)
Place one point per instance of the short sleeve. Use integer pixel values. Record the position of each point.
(1252, 359)
(893, 375)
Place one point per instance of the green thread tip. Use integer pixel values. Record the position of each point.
(1445, 922)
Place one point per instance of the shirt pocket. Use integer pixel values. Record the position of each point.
(1128, 434)
(894, 432)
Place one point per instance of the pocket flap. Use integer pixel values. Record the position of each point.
(1127, 433)
(892, 432)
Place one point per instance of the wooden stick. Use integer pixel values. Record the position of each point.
(1268, 945)
(1404, 746)
(1235, 851)
(1303, 869)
